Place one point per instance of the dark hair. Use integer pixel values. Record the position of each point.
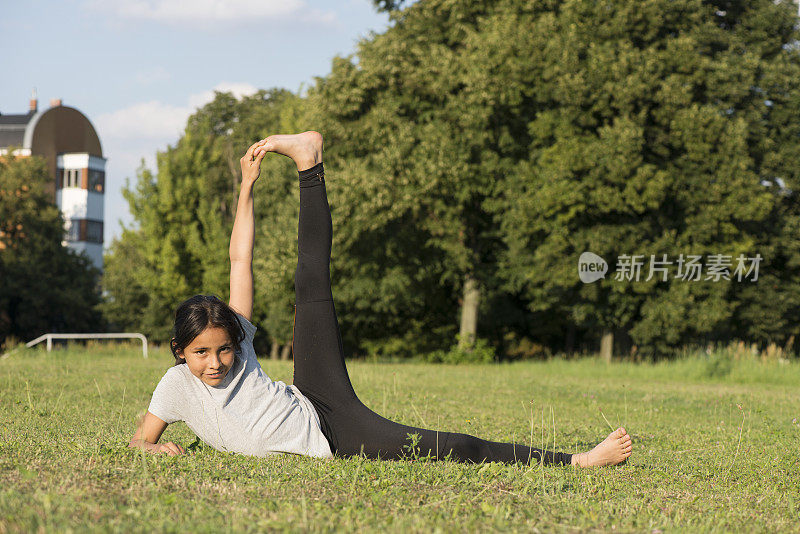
(197, 313)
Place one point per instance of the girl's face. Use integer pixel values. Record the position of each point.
(210, 355)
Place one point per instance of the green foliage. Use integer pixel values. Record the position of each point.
(388, 5)
(414, 149)
(498, 141)
(127, 298)
(411, 449)
(718, 365)
(633, 128)
(654, 127)
(44, 286)
(480, 352)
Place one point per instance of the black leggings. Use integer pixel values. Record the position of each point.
(321, 375)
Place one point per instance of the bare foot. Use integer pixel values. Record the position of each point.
(305, 148)
(615, 449)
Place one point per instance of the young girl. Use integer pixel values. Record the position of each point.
(218, 388)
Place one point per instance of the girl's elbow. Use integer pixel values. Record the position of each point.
(241, 259)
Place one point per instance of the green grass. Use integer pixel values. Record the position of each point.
(716, 448)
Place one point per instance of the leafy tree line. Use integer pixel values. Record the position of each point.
(44, 286)
(475, 150)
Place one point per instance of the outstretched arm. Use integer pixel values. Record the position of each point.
(243, 235)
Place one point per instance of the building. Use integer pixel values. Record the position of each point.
(68, 142)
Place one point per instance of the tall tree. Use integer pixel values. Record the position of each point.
(415, 150)
(126, 297)
(652, 129)
(44, 286)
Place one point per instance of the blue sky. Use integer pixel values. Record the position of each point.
(138, 68)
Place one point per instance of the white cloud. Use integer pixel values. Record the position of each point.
(145, 120)
(237, 89)
(157, 121)
(183, 11)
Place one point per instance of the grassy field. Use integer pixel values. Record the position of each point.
(716, 448)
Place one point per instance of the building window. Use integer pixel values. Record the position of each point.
(73, 230)
(71, 178)
(84, 230)
(97, 181)
(94, 231)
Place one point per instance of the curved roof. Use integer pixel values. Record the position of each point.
(58, 129)
(61, 129)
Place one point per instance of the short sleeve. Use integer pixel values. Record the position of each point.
(168, 397)
(249, 328)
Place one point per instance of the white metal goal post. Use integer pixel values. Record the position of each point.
(50, 337)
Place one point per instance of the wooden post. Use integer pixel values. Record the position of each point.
(469, 313)
(607, 345)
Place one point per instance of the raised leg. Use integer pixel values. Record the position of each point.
(319, 368)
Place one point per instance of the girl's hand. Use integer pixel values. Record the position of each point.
(171, 448)
(251, 162)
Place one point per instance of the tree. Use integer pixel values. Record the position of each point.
(388, 5)
(652, 128)
(44, 286)
(415, 153)
(127, 298)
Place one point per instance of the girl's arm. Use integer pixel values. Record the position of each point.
(148, 434)
(243, 235)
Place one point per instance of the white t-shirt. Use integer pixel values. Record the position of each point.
(246, 413)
